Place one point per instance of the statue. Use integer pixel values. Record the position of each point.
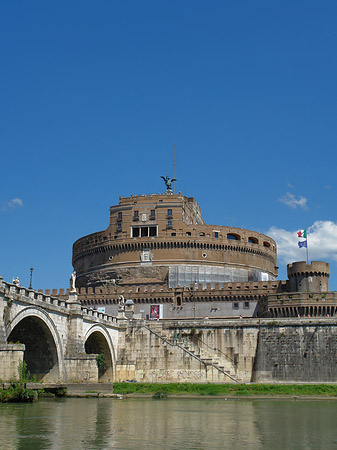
(168, 183)
(16, 281)
(121, 301)
(72, 282)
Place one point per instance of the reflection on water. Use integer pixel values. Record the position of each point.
(99, 424)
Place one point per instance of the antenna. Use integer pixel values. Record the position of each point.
(174, 166)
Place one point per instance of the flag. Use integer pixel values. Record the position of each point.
(302, 234)
(302, 244)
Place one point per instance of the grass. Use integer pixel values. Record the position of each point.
(236, 390)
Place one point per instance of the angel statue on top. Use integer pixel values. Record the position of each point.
(168, 182)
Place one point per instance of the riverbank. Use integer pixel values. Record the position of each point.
(227, 390)
(185, 390)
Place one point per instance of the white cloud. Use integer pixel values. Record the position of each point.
(14, 203)
(322, 242)
(289, 199)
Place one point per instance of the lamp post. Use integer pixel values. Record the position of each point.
(31, 277)
(192, 293)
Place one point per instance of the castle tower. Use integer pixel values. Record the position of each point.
(305, 277)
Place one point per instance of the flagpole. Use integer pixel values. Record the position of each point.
(174, 166)
(307, 247)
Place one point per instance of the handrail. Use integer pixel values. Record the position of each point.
(217, 349)
(188, 352)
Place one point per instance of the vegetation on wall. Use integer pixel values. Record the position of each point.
(17, 391)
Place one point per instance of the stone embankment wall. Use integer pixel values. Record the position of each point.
(192, 351)
(297, 352)
(289, 350)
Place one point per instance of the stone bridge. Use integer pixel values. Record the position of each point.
(58, 339)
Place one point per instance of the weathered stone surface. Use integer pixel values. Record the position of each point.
(62, 341)
(297, 352)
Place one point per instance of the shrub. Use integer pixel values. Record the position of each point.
(159, 396)
(18, 391)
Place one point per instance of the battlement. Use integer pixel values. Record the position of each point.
(154, 196)
(113, 291)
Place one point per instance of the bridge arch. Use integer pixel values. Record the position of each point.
(43, 354)
(97, 341)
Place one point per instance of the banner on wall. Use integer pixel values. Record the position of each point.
(156, 312)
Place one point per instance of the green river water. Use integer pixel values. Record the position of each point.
(173, 424)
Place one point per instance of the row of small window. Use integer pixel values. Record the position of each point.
(236, 237)
(151, 217)
(236, 305)
(136, 215)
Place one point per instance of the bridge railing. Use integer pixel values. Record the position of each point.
(16, 290)
(99, 315)
(34, 295)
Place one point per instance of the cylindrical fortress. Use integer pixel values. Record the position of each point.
(163, 239)
(305, 277)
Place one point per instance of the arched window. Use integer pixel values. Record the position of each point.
(233, 237)
(253, 240)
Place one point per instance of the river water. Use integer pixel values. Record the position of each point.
(173, 424)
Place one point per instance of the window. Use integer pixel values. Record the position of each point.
(143, 231)
(233, 237)
(246, 305)
(119, 227)
(152, 214)
(119, 216)
(235, 305)
(188, 233)
(135, 232)
(216, 234)
(152, 231)
(169, 224)
(173, 234)
(253, 240)
(135, 215)
(169, 213)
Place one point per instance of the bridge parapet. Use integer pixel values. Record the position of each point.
(13, 291)
(94, 314)
(31, 296)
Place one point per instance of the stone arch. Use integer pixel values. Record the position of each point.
(98, 341)
(43, 350)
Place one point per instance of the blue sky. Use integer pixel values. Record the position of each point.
(94, 94)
